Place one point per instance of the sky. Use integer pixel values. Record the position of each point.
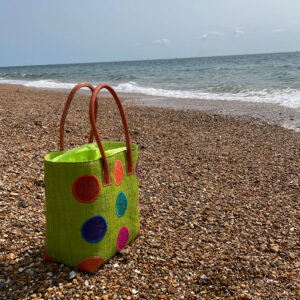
(37, 32)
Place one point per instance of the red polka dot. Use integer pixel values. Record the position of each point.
(86, 188)
(122, 238)
(118, 172)
(90, 264)
(47, 256)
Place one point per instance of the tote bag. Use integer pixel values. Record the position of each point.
(91, 194)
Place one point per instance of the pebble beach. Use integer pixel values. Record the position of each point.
(219, 203)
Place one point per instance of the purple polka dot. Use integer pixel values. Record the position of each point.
(137, 172)
(94, 229)
(122, 238)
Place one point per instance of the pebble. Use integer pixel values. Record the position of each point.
(218, 188)
(72, 275)
(2, 286)
(124, 250)
(31, 272)
(274, 248)
(23, 204)
(292, 255)
(134, 292)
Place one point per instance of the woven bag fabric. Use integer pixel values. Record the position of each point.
(91, 205)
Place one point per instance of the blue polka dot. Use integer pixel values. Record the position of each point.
(94, 229)
(121, 204)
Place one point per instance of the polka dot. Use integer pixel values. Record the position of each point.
(94, 229)
(137, 172)
(90, 264)
(122, 238)
(47, 256)
(86, 189)
(118, 172)
(121, 204)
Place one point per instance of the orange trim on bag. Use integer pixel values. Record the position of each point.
(90, 264)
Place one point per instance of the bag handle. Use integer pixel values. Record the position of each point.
(66, 109)
(92, 112)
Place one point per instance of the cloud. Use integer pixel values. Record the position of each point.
(238, 32)
(136, 45)
(211, 34)
(204, 36)
(215, 33)
(163, 42)
(278, 30)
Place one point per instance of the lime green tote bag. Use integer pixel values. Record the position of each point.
(91, 194)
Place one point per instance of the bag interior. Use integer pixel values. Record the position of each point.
(86, 152)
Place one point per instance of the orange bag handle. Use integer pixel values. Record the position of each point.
(92, 112)
(66, 109)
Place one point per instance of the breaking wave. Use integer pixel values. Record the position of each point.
(286, 97)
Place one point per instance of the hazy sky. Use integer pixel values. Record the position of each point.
(66, 31)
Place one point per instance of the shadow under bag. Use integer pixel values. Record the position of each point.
(91, 194)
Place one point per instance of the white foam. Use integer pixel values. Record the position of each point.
(286, 97)
(47, 84)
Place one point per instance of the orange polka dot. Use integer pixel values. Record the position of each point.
(90, 264)
(118, 172)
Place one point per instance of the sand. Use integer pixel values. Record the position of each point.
(219, 203)
(271, 113)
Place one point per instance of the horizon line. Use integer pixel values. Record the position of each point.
(140, 60)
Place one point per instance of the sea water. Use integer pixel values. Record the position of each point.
(270, 78)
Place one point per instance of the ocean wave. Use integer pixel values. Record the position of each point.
(20, 75)
(285, 97)
(46, 84)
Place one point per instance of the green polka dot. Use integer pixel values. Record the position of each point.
(121, 204)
